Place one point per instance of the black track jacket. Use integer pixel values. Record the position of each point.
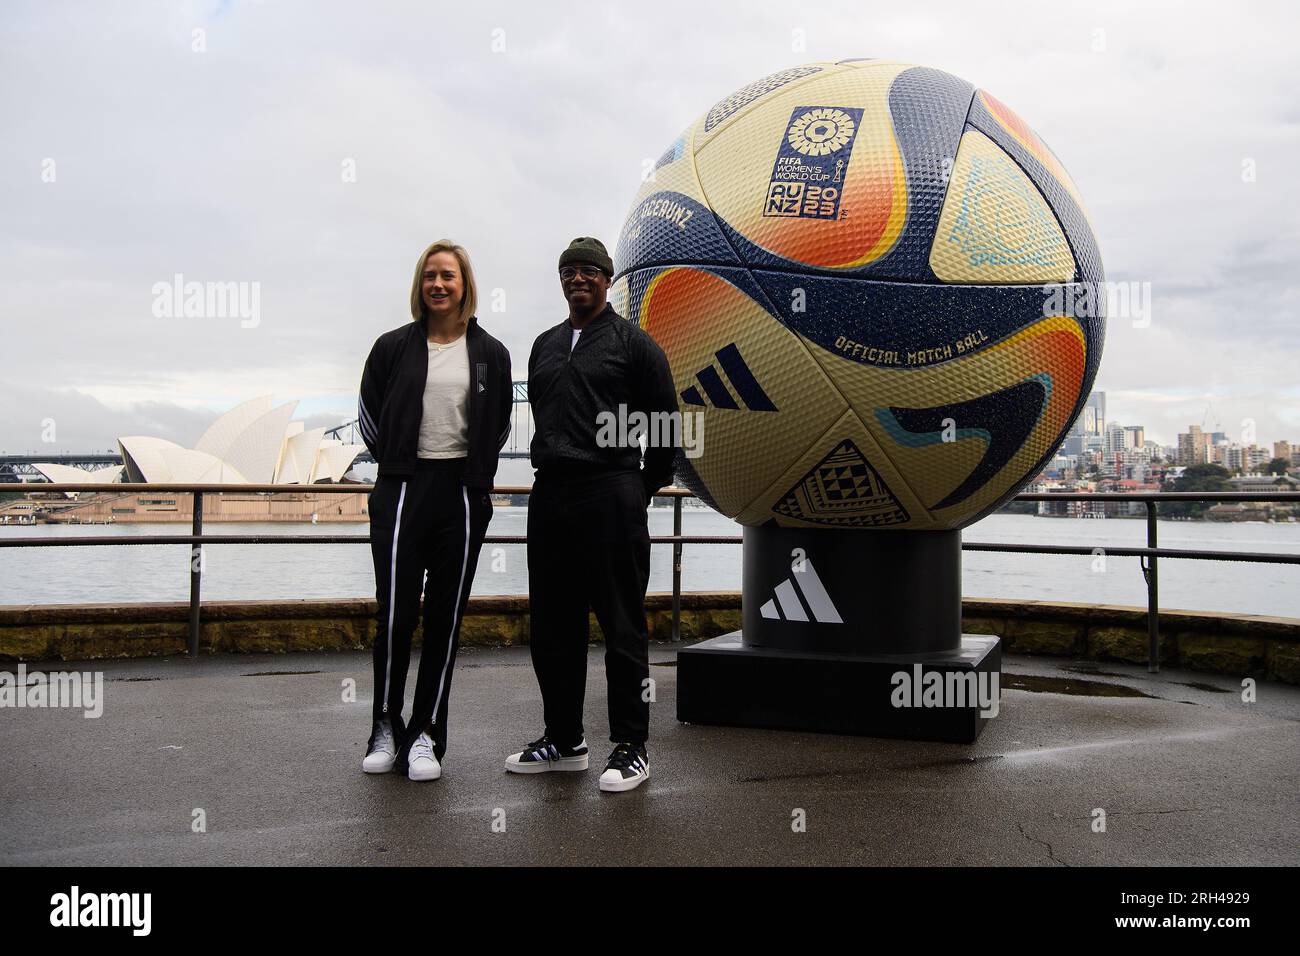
(392, 400)
(616, 368)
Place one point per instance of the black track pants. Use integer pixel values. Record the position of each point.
(427, 522)
(589, 547)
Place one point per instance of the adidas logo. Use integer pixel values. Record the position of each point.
(738, 374)
(787, 606)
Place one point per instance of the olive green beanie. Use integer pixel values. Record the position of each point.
(590, 251)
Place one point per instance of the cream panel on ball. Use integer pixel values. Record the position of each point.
(812, 173)
(966, 432)
(996, 227)
(750, 394)
(841, 480)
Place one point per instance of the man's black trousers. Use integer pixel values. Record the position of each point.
(429, 521)
(589, 548)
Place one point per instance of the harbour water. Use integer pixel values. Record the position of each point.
(139, 573)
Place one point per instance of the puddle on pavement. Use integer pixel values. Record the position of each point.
(1092, 669)
(277, 673)
(1068, 685)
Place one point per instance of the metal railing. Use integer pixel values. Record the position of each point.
(1149, 555)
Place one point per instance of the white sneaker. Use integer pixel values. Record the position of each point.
(381, 753)
(421, 763)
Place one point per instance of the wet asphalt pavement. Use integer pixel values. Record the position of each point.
(269, 751)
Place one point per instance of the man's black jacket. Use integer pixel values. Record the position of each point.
(392, 400)
(581, 399)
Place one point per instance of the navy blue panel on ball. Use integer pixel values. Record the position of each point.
(669, 227)
(1003, 420)
(900, 324)
(928, 109)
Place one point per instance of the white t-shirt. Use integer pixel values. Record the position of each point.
(574, 343)
(444, 424)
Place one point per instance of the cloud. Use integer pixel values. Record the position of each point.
(514, 127)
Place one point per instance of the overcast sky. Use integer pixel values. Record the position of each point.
(129, 156)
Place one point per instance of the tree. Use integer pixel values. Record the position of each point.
(1196, 478)
(1277, 466)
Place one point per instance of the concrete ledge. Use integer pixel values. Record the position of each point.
(1239, 645)
(93, 631)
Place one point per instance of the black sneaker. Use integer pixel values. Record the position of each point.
(626, 769)
(543, 755)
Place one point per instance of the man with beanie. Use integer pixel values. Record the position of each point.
(588, 542)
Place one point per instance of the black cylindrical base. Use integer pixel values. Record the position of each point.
(852, 591)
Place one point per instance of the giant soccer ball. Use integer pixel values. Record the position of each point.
(879, 294)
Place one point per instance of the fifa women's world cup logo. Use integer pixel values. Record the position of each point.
(807, 180)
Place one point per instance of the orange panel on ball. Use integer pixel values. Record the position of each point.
(746, 382)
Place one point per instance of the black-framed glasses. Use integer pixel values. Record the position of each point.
(587, 272)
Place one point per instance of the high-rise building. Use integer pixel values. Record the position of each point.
(1256, 457)
(1137, 436)
(1283, 450)
(1191, 447)
(1097, 401)
(1114, 438)
(1090, 423)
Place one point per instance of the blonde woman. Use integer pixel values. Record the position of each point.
(434, 411)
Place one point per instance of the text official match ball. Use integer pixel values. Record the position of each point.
(856, 271)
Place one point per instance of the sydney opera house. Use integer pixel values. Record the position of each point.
(254, 443)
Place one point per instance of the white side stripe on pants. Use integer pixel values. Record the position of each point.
(392, 594)
(455, 608)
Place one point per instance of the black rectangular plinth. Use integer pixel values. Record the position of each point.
(723, 681)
